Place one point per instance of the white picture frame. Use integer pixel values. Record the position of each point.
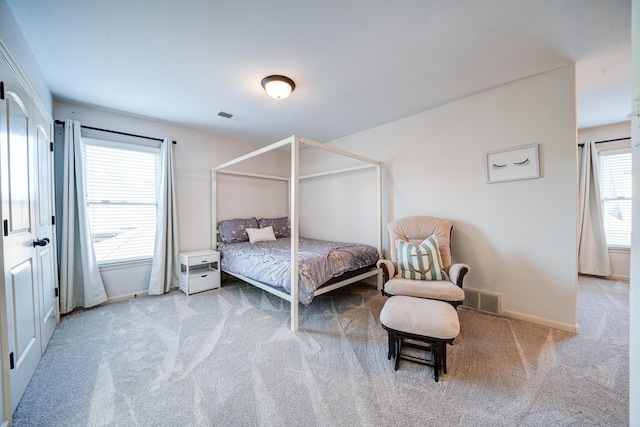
(512, 164)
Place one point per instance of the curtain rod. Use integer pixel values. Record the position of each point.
(60, 122)
(607, 140)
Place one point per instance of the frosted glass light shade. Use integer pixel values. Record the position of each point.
(278, 87)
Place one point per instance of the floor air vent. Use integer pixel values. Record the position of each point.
(484, 301)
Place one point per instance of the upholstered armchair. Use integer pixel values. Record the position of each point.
(427, 281)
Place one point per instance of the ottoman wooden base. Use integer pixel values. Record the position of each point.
(427, 325)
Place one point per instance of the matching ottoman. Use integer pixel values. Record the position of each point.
(433, 323)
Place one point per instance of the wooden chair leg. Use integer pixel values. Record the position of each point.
(398, 350)
(391, 339)
(435, 349)
(444, 357)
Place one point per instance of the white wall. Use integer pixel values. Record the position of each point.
(619, 258)
(194, 155)
(634, 293)
(340, 207)
(603, 133)
(518, 237)
(261, 198)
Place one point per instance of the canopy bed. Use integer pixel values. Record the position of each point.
(362, 266)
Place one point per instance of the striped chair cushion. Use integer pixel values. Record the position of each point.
(422, 262)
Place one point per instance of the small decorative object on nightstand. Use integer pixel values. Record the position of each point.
(199, 271)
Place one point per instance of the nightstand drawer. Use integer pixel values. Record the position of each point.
(203, 259)
(205, 282)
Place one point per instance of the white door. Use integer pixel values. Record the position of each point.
(5, 404)
(17, 163)
(45, 232)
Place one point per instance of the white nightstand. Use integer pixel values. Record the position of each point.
(199, 271)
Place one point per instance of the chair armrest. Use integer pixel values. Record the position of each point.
(457, 272)
(388, 270)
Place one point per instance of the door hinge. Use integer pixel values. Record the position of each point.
(51, 146)
(12, 363)
(1, 90)
(5, 225)
(53, 220)
(57, 292)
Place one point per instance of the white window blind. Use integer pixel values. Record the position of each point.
(615, 191)
(121, 186)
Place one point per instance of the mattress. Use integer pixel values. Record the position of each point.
(319, 261)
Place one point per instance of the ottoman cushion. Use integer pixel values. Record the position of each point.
(425, 317)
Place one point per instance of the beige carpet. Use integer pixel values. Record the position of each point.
(227, 358)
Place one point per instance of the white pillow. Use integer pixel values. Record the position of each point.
(261, 234)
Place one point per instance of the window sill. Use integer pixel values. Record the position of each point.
(119, 265)
(619, 250)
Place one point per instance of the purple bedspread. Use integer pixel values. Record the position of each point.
(319, 261)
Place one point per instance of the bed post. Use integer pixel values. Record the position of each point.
(380, 281)
(293, 218)
(214, 210)
(379, 206)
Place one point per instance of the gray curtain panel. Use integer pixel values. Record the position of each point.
(164, 270)
(80, 281)
(593, 255)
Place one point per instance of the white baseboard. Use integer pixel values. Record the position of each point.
(540, 321)
(618, 277)
(126, 297)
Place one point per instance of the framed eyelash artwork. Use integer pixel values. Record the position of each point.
(512, 164)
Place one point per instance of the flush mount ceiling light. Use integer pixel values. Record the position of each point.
(278, 87)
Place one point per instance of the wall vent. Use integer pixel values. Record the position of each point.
(233, 117)
(489, 302)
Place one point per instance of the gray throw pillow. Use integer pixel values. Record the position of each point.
(235, 230)
(280, 225)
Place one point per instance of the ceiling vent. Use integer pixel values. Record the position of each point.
(232, 116)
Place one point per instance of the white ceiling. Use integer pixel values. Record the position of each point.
(357, 64)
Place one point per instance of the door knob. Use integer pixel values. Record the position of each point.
(41, 242)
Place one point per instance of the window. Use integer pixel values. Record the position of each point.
(615, 191)
(121, 188)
